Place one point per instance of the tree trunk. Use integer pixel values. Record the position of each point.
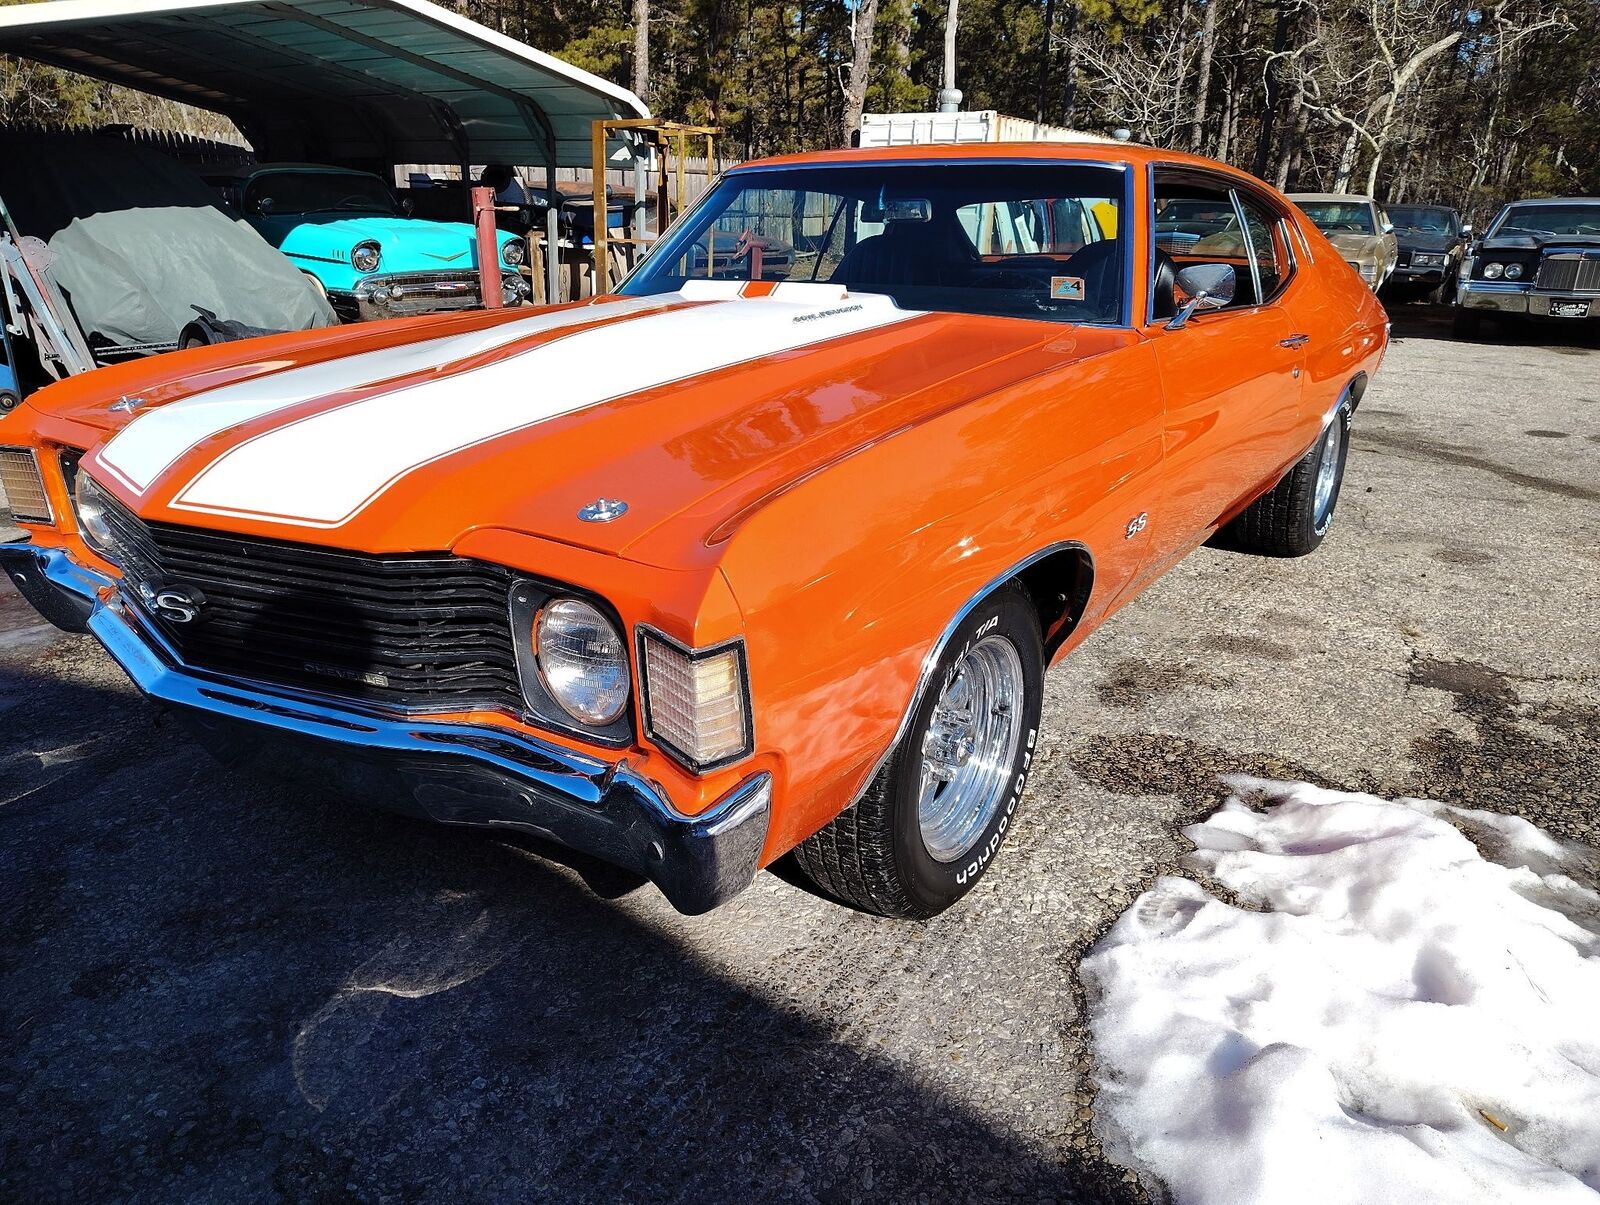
(948, 80)
(1347, 162)
(1294, 144)
(1044, 61)
(855, 91)
(1266, 140)
(1069, 68)
(1202, 91)
(641, 48)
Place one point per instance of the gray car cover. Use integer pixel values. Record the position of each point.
(141, 244)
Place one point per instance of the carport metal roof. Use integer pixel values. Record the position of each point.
(354, 82)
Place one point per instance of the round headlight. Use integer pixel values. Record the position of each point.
(583, 661)
(514, 252)
(1513, 271)
(90, 504)
(1493, 271)
(366, 257)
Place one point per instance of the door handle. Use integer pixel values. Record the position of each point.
(1295, 341)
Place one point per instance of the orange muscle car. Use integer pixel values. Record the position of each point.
(763, 553)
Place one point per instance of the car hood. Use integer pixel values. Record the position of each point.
(1529, 242)
(693, 408)
(1424, 240)
(1356, 246)
(408, 244)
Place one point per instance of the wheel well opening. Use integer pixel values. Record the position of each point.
(1357, 388)
(1059, 586)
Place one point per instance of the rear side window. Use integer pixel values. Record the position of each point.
(1268, 248)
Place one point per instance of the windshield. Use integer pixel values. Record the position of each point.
(319, 192)
(1332, 217)
(1035, 241)
(1423, 220)
(1550, 219)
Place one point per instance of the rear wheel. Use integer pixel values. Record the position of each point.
(932, 819)
(1292, 518)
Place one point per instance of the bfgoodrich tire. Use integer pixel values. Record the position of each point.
(933, 818)
(1293, 518)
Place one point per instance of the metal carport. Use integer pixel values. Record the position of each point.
(361, 83)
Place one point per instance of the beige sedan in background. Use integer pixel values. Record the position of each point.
(1358, 227)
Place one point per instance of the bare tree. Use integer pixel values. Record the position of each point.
(1355, 83)
(863, 19)
(641, 48)
(1142, 82)
(1202, 87)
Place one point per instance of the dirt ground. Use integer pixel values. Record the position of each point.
(218, 988)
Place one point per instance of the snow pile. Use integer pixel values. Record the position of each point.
(1404, 1021)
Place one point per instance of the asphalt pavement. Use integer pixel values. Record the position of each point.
(218, 988)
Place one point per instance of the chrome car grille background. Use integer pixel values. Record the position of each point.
(416, 632)
(1569, 272)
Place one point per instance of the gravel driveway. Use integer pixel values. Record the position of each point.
(218, 988)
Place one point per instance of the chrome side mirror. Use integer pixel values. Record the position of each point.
(1466, 230)
(1208, 287)
(1388, 227)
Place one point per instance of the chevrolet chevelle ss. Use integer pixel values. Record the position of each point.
(763, 554)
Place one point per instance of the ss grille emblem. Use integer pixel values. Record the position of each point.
(175, 604)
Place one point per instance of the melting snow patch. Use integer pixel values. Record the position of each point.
(1403, 1020)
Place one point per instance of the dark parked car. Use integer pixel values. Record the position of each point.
(1538, 261)
(1432, 238)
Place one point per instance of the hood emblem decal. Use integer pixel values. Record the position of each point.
(603, 510)
(447, 258)
(127, 404)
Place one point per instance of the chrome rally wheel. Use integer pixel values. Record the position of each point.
(1330, 467)
(968, 748)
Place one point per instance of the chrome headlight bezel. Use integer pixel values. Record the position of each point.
(1493, 270)
(1514, 271)
(366, 256)
(513, 253)
(90, 505)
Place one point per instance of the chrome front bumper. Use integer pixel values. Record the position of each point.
(1498, 297)
(405, 294)
(468, 774)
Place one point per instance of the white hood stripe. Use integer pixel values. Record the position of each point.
(323, 469)
(154, 441)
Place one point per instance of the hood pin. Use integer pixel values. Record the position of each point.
(603, 510)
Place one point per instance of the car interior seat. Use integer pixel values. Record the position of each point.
(1164, 287)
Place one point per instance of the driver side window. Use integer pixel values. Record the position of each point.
(1198, 222)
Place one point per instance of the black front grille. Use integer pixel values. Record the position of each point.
(418, 631)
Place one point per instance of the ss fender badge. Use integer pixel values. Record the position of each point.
(1138, 523)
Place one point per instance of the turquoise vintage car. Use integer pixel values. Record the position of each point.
(347, 231)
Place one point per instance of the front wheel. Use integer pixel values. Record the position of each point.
(932, 819)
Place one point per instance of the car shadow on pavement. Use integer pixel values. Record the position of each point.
(217, 988)
(1418, 320)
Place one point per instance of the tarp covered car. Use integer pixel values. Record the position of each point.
(140, 248)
